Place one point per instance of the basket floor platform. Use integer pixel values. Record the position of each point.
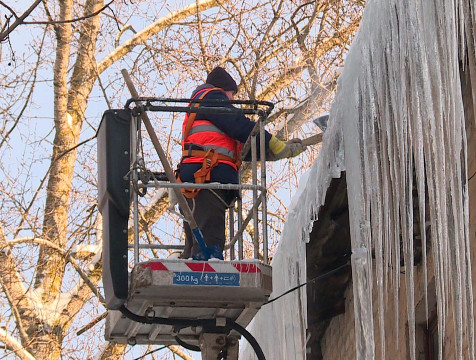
(187, 289)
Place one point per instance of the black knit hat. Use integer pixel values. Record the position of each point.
(219, 77)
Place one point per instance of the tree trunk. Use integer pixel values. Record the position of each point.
(50, 263)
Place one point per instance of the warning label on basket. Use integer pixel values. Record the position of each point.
(210, 279)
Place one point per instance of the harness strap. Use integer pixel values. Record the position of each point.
(209, 162)
(202, 175)
(203, 153)
(192, 116)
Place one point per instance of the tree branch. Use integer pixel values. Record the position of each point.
(291, 74)
(10, 279)
(30, 93)
(111, 351)
(84, 252)
(18, 318)
(153, 29)
(282, 81)
(53, 22)
(86, 278)
(32, 240)
(19, 20)
(68, 257)
(13, 345)
(9, 9)
(45, 177)
(178, 352)
(154, 210)
(78, 297)
(91, 323)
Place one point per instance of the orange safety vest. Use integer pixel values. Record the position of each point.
(203, 142)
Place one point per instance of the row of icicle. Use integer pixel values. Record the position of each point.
(400, 103)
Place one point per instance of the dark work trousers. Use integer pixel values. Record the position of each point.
(209, 213)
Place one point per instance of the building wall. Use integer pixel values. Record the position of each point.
(339, 339)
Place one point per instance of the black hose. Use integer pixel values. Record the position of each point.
(164, 321)
(247, 335)
(230, 324)
(187, 345)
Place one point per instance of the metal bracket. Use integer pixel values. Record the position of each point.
(215, 345)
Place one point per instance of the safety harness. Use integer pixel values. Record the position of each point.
(211, 157)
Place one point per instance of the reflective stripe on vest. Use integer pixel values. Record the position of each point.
(203, 128)
(207, 136)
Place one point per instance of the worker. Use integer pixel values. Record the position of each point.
(211, 146)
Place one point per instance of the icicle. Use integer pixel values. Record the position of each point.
(467, 260)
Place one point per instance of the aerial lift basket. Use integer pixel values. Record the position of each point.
(201, 305)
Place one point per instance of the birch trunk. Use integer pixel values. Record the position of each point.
(45, 342)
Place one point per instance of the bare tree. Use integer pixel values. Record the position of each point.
(50, 233)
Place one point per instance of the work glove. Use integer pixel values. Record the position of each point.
(284, 149)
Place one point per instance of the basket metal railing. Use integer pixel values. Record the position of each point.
(257, 186)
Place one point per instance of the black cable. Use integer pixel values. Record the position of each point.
(151, 352)
(322, 276)
(247, 335)
(472, 176)
(187, 345)
(230, 324)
